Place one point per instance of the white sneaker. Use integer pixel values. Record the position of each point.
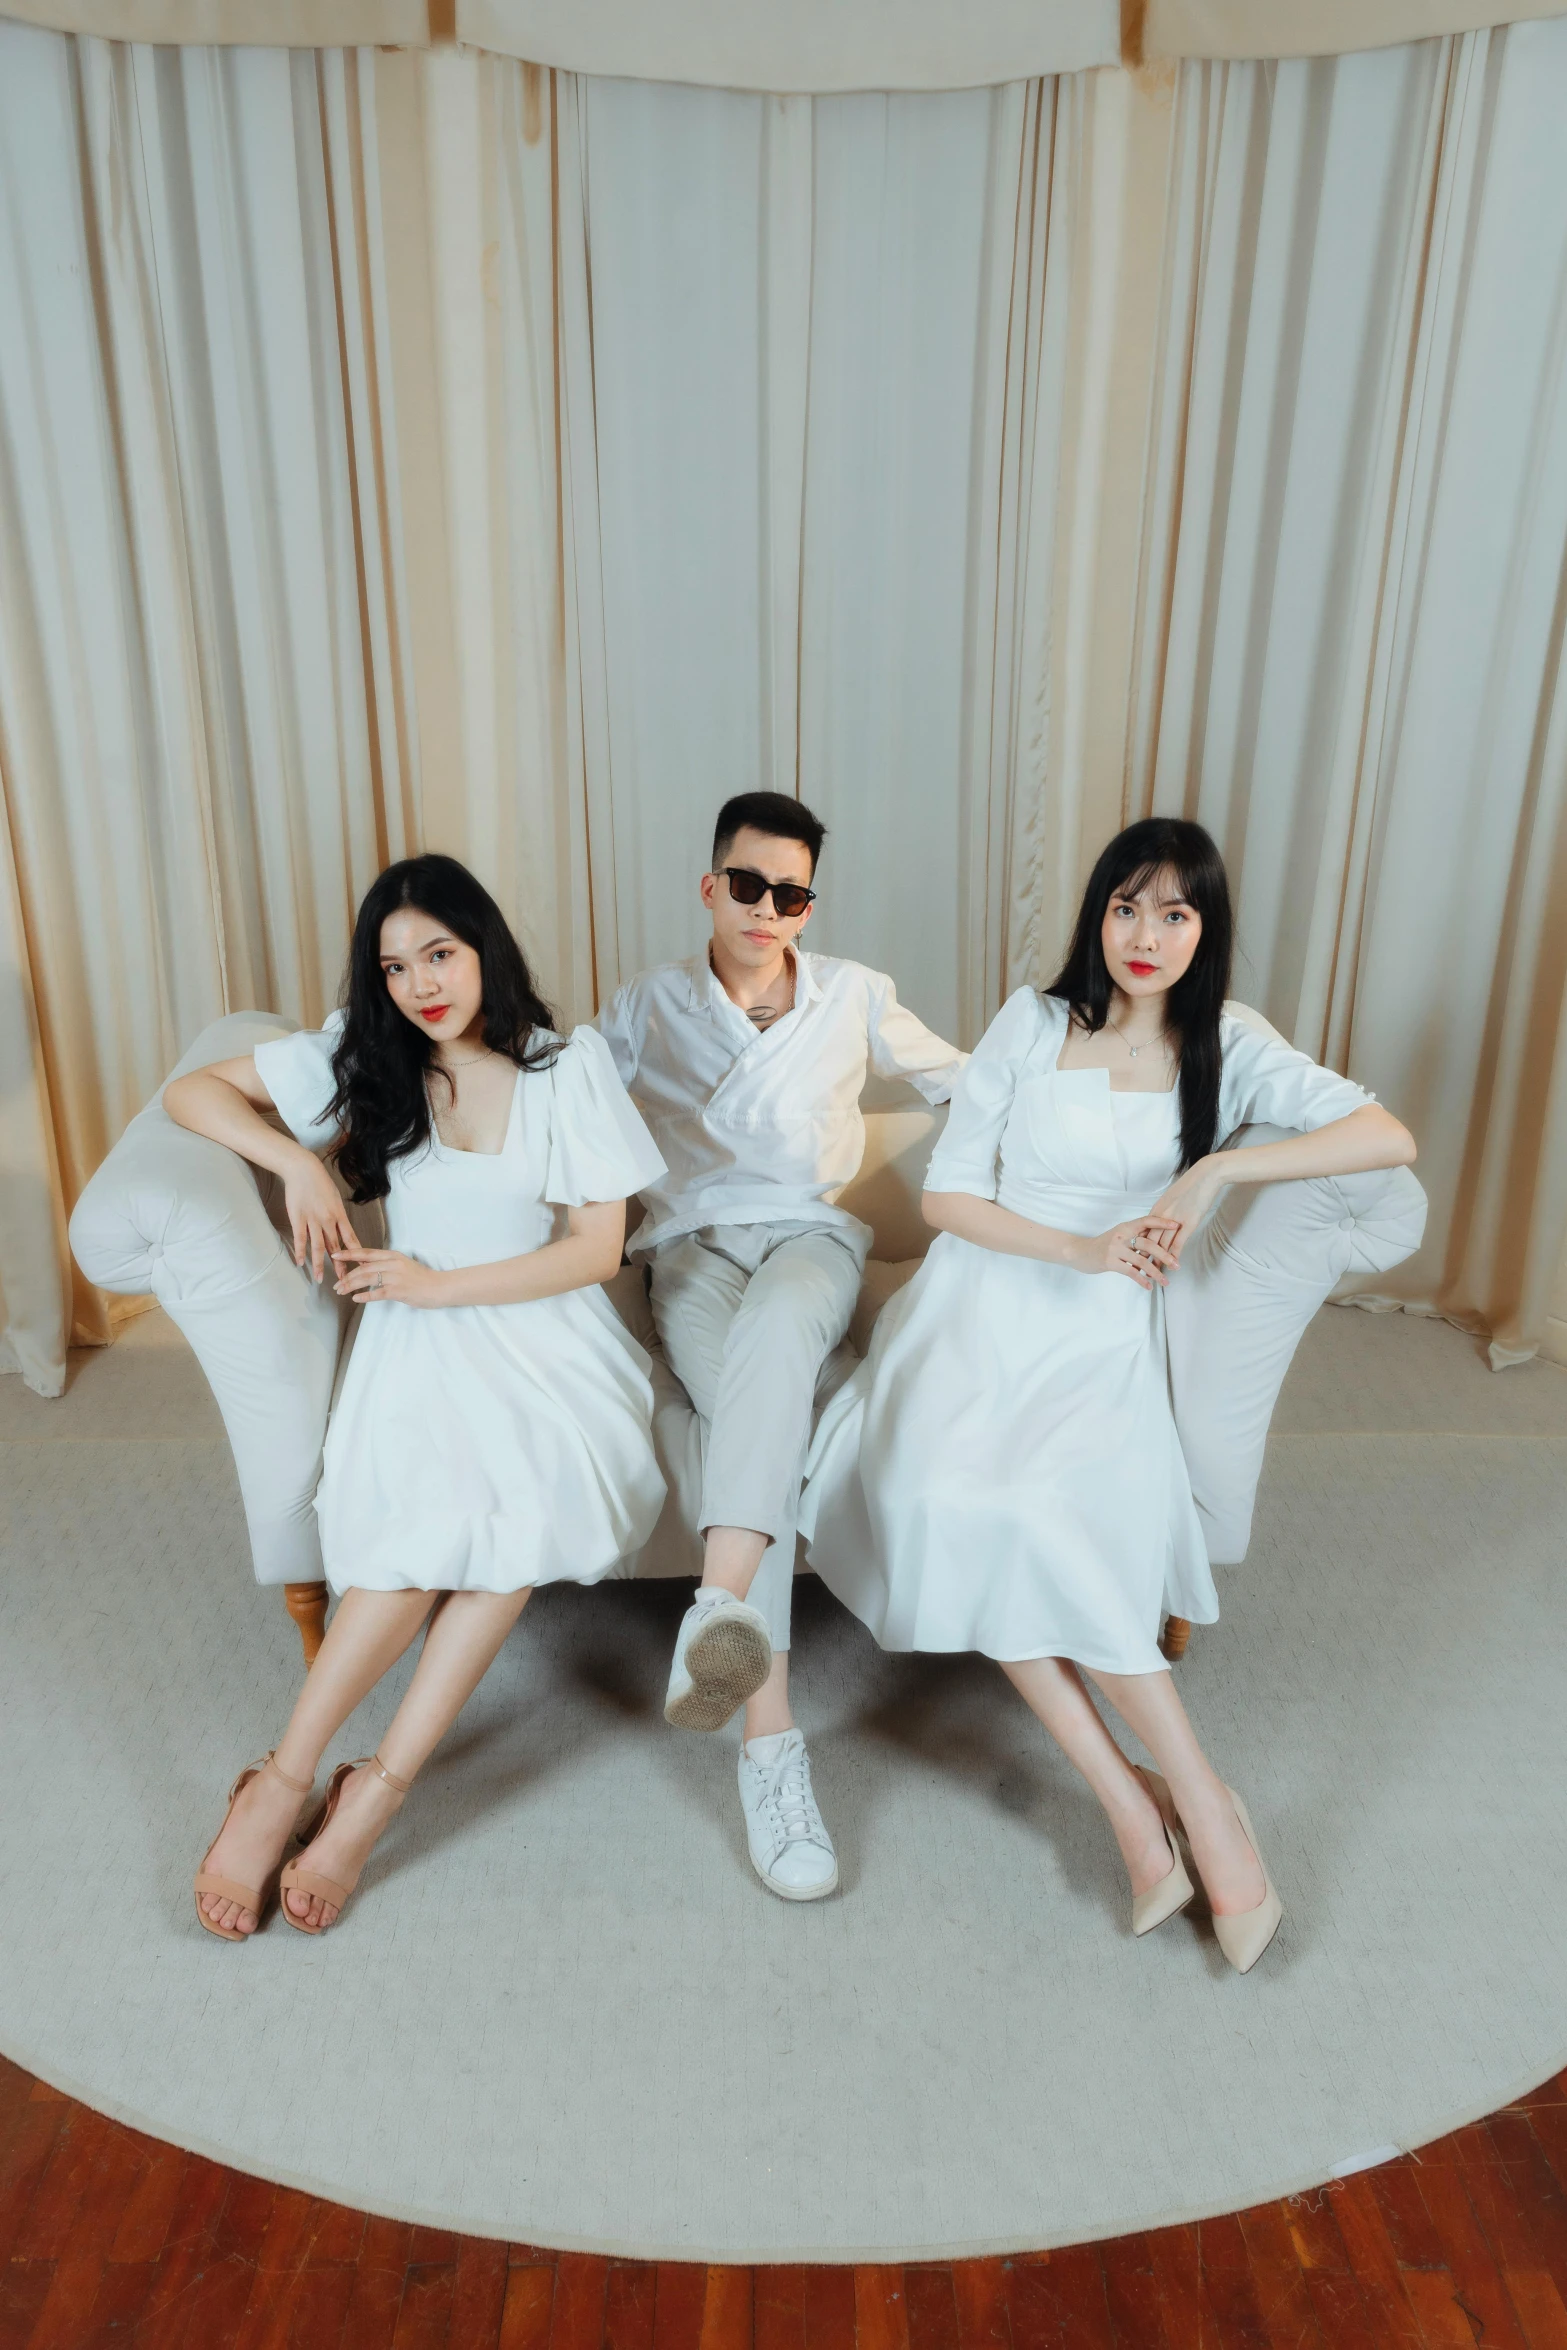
(722, 1657)
(791, 1850)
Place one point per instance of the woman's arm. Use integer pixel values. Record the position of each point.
(1131, 1249)
(1367, 1139)
(589, 1253)
(225, 1103)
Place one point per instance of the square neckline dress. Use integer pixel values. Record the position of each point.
(1003, 1472)
(488, 1447)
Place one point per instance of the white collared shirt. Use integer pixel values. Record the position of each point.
(762, 1125)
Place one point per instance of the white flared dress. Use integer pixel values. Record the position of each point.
(1002, 1472)
(486, 1448)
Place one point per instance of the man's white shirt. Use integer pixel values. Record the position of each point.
(763, 1125)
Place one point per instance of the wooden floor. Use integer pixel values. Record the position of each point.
(112, 2238)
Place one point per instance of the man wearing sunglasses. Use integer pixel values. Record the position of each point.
(747, 1063)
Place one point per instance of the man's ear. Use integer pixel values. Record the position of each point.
(806, 916)
(709, 887)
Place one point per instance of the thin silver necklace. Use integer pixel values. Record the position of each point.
(1133, 1049)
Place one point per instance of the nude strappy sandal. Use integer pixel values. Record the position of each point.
(303, 1880)
(254, 1897)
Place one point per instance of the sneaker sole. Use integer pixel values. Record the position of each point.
(727, 1662)
(796, 1892)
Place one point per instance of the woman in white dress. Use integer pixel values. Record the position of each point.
(1003, 1471)
(493, 1428)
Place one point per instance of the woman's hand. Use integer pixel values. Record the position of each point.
(317, 1217)
(373, 1275)
(1140, 1250)
(1182, 1208)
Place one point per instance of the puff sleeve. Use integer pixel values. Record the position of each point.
(599, 1147)
(297, 1072)
(1264, 1081)
(965, 1157)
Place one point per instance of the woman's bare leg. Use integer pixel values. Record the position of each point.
(465, 1637)
(1053, 1690)
(1149, 1704)
(365, 1638)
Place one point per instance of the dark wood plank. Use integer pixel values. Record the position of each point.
(1228, 2286)
(726, 2310)
(1132, 2295)
(778, 2309)
(122, 2296)
(24, 2288)
(316, 2305)
(66, 2310)
(577, 2320)
(379, 2273)
(187, 2253)
(81, 2145)
(1537, 2192)
(980, 2291)
(525, 2314)
(1283, 2302)
(829, 2309)
(1376, 2269)
(424, 2319)
(932, 2309)
(1540, 2309)
(271, 2237)
(1177, 2261)
(1478, 2283)
(1059, 2300)
(881, 2316)
(479, 2294)
(144, 2226)
(1444, 2325)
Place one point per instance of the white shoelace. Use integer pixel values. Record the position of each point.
(792, 1802)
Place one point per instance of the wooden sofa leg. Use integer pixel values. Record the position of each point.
(306, 1603)
(1177, 1632)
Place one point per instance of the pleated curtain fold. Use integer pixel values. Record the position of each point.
(407, 449)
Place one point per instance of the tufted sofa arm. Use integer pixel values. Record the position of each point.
(1250, 1281)
(173, 1215)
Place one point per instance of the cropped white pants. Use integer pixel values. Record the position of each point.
(750, 1316)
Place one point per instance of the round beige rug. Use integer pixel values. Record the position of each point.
(562, 2009)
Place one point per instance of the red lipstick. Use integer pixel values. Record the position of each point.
(1142, 969)
(435, 1012)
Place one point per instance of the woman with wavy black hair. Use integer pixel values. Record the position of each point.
(493, 1429)
(1003, 1472)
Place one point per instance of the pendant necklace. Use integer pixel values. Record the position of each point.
(1133, 1049)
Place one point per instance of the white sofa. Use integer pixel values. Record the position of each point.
(174, 1215)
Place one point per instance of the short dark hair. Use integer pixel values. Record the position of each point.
(767, 811)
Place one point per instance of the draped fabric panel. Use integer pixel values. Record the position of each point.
(198, 734)
(405, 450)
(812, 45)
(1358, 530)
(1318, 28)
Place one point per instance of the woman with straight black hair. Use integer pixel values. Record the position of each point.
(1003, 1471)
(493, 1428)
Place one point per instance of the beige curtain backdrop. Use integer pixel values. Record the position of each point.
(1351, 655)
(408, 449)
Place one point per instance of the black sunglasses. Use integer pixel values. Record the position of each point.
(748, 889)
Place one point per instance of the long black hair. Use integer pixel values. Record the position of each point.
(1163, 844)
(382, 1064)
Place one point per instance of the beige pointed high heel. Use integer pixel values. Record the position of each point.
(1243, 1938)
(1174, 1892)
(302, 1880)
(256, 1897)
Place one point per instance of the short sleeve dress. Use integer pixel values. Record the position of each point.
(1003, 1473)
(486, 1448)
